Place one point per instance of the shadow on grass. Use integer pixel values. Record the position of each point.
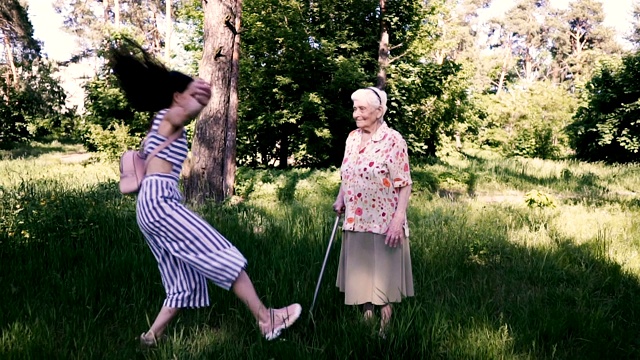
(27, 151)
(483, 296)
(287, 192)
(479, 296)
(83, 284)
(586, 188)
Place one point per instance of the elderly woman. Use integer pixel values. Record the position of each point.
(375, 262)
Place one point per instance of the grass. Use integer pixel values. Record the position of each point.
(494, 278)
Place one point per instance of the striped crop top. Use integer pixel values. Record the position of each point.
(175, 153)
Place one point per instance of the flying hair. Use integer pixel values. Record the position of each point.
(147, 83)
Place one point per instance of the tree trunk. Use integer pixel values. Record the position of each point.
(212, 172)
(383, 48)
(528, 68)
(505, 64)
(8, 47)
(156, 36)
(503, 74)
(116, 10)
(283, 151)
(105, 12)
(229, 170)
(167, 38)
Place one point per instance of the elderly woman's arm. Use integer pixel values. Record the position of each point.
(338, 205)
(395, 233)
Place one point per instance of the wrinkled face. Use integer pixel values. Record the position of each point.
(365, 114)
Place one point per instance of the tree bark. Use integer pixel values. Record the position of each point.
(229, 170)
(105, 12)
(116, 10)
(167, 38)
(505, 63)
(8, 47)
(283, 151)
(383, 48)
(212, 172)
(503, 73)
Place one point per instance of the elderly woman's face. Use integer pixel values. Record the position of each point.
(365, 114)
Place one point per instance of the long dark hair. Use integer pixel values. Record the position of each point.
(147, 84)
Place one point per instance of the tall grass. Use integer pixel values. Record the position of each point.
(494, 278)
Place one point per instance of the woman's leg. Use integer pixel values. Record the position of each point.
(368, 309)
(385, 316)
(244, 290)
(194, 247)
(270, 321)
(158, 327)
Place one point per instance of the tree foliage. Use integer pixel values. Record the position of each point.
(511, 82)
(302, 60)
(527, 121)
(607, 128)
(31, 100)
(580, 39)
(634, 35)
(93, 21)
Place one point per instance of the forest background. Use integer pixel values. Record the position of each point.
(536, 81)
(524, 234)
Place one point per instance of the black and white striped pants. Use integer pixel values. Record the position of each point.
(188, 249)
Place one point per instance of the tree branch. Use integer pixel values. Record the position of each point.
(391, 60)
(395, 47)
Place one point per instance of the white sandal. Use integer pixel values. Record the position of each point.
(288, 316)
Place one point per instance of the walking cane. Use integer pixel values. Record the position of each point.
(324, 263)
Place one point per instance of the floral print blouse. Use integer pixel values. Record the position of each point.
(370, 178)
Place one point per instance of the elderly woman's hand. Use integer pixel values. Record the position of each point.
(338, 206)
(395, 233)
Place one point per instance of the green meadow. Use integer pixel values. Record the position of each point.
(512, 259)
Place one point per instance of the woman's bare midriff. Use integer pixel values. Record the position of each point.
(157, 165)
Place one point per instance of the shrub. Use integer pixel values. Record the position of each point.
(112, 141)
(539, 199)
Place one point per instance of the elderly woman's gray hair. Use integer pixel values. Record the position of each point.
(373, 96)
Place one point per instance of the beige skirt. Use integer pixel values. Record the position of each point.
(370, 271)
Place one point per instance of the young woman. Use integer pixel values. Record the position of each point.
(188, 250)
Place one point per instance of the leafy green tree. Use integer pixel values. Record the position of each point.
(428, 89)
(31, 101)
(92, 21)
(465, 42)
(300, 62)
(190, 30)
(607, 127)
(521, 39)
(528, 36)
(297, 78)
(528, 121)
(580, 39)
(210, 173)
(500, 66)
(634, 36)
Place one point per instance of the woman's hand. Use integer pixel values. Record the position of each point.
(188, 104)
(395, 232)
(338, 206)
(201, 91)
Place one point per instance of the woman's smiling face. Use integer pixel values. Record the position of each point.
(365, 114)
